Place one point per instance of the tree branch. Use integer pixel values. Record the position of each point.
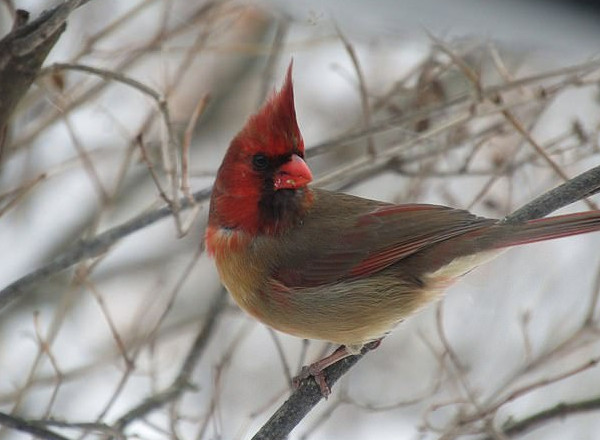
(182, 382)
(22, 52)
(31, 427)
(575, 189)
(559, 411)
(91, 248)
(304, 399)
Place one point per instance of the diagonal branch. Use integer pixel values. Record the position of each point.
(182, 382)
(34, 428)
(558, 412)
(91, 248)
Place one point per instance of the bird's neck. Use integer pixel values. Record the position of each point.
(259, 213)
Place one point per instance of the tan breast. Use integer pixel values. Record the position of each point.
(242, 275)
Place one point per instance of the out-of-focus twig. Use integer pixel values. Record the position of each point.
(496, 98)
(529, 388)
(558, 412)
(162, 105)
(281, 32)
(30, 427)
(89, 93)
(187, 141)
(182, 382)
(394, 122)
(179, 385)
(362, 87)
(90, 248)
(150, 165)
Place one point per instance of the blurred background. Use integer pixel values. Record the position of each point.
(479, 105)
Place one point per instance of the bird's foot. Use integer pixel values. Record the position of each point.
(313, 370)
(317, 370)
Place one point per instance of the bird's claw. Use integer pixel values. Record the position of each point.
(313, 370)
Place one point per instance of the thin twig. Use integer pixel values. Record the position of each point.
(88, 94)
(106, 74)
(362, 87)
(101, 428)
(463, 99)
(558, 412)
(529, 388)
(281, 31)
(86, 161)
(150, 165)
(111, 323)
(281, 354)
(459, 368)
(510, 117)
(45, 347)
(182, 382)
(185, 145)
(90, 248)
(161, 103)
(527, 135)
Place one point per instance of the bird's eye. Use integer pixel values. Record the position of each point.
(260, 162)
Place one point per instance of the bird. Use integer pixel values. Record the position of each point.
(330, 266)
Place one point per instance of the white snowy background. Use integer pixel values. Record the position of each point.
(500, 321)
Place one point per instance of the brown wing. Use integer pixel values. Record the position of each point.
(345, 237)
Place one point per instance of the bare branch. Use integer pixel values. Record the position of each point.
(362, 87)
(575, 189)
(31, 427)
(557, 412)
(182, 381)
(90, 248)
(23, 51)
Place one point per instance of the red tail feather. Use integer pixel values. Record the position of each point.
(553, 227)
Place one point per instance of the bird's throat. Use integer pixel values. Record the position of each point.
(268, 213)
(282, 209)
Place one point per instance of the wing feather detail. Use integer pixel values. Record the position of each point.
(372, 241)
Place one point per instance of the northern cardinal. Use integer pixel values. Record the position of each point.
(323, 265)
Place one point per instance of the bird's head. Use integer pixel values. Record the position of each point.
(261, 186)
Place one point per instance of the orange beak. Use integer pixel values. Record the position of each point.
(293, 174)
